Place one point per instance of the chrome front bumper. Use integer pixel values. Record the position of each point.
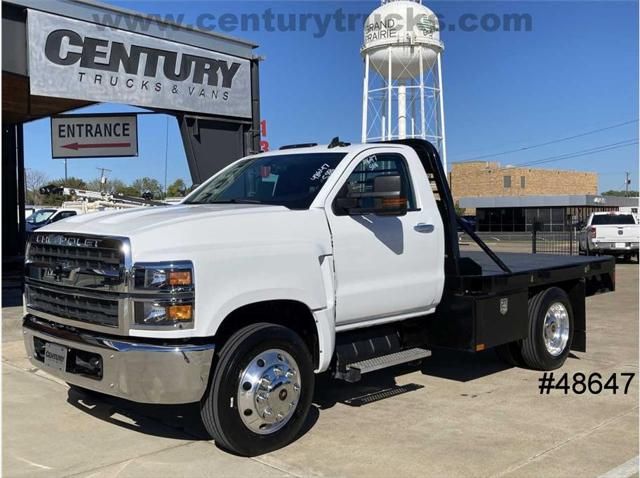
(135, 370)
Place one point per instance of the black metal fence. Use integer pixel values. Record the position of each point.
(562, 242)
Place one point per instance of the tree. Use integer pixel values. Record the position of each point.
(94, 185)
(177, 189)
(72, 182)
(147, 184)
(633, 194)
(117, 186)
(33, 181)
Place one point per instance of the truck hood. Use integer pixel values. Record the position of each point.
(177, 232)
(128, 222)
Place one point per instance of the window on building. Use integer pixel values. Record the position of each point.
(522, 182)
(500, 219)
(507, 181)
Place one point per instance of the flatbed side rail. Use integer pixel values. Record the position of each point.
(431, 163)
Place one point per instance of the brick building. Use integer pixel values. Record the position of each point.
(483, 179)
(512, 199)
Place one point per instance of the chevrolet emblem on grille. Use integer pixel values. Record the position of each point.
(60, 240)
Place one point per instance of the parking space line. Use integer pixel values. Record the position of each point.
(625, 470)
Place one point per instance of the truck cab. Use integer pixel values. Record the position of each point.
(336, 258)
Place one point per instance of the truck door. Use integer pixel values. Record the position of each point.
(387, 266)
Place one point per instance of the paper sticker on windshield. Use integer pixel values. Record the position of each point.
(321, 172)
(326, 174)
(371, 162)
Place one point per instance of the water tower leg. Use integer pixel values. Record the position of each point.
(365, 99)
(443, 137)
(412, 102)
(402, 111)
(423, 133)
(389, 97)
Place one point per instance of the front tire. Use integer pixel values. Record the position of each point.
(550, 330)
(261, 390)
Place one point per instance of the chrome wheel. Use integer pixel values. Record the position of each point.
(269, 391)
(556, 329)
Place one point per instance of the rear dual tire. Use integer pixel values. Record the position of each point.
(550, 334)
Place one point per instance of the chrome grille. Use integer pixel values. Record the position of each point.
(77, 277)
(77, 261)
(86, 258)
(72, 306)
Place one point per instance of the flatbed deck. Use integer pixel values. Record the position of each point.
(482, 275)
(520, 262)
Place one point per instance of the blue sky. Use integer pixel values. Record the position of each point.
(575, 71)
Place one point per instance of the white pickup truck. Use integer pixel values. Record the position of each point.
(611, 233)
(341, 259)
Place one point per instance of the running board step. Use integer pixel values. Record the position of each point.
(356, 369)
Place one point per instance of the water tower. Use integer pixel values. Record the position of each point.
(402, 95)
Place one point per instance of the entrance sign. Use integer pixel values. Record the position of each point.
(94, 136)
(86, 61)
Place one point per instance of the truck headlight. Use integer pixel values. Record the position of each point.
(174, 314)
(164, 295)
(174, 275)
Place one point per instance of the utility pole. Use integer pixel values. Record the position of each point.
(103, 178)
(166, 155)
(627, 181)
(65, 170)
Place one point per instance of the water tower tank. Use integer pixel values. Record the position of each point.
(400, 32)
(402, 94)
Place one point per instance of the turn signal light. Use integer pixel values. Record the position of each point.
(179, 278)
(394, 202)
(180, 312)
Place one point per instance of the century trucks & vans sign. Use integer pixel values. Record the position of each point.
(79, 60)
(94, 136)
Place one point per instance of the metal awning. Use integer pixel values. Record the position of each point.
(580, 200)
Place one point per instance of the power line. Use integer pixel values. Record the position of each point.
(576, 154)
(584, 152)
(539, 145)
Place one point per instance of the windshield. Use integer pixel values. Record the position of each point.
(612, 219)
(41, 216)
(291, 180)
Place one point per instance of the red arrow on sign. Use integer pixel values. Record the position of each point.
(77, 146)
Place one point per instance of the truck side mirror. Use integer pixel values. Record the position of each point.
(386, 199)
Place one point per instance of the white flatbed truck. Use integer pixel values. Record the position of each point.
(341, 259)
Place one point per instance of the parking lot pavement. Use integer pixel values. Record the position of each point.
(459, 415)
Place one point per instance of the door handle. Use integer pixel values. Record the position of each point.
(423, 227)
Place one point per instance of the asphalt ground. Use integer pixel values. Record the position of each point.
(456, 415)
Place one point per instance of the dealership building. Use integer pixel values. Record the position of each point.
(552, 213)
(512, 199)
(61, 55)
